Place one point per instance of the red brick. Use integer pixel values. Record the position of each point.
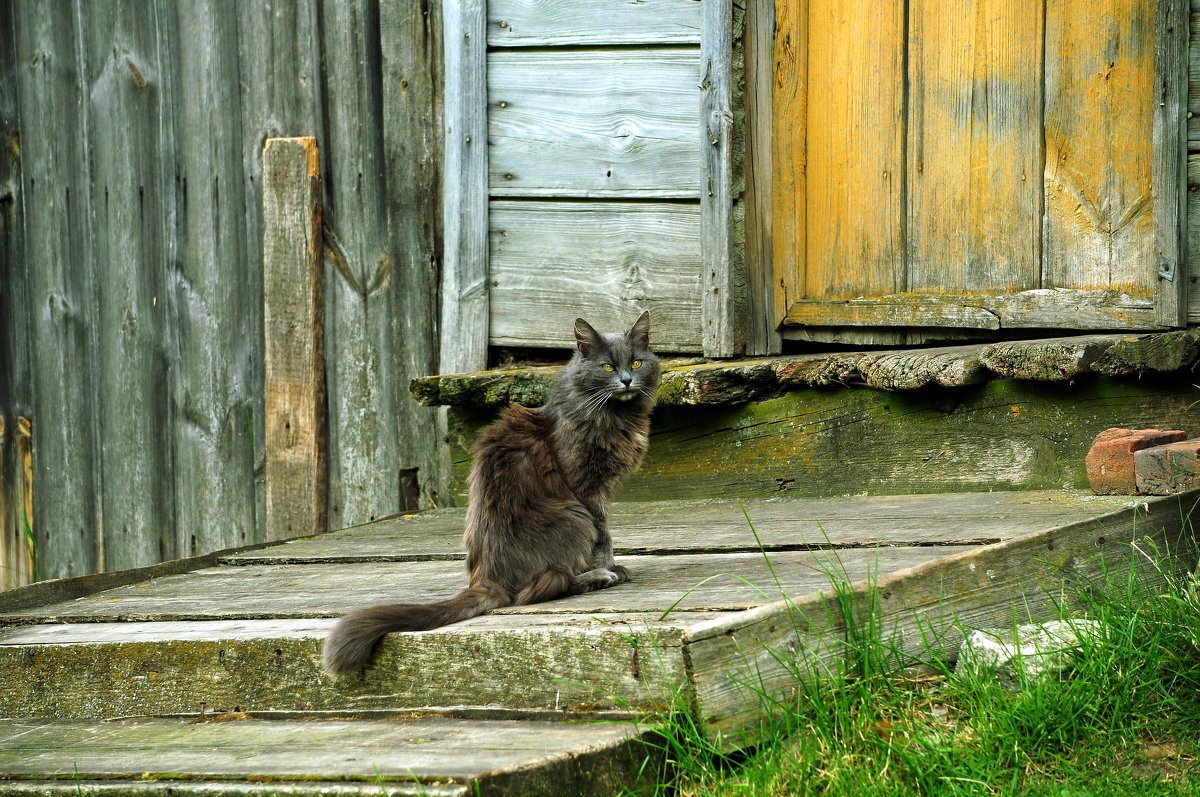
(1169, 469)
(1110, 465)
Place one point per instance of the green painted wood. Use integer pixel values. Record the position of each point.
(417, 755)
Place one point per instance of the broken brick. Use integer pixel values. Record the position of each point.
(1168, 469)
(1110, 465)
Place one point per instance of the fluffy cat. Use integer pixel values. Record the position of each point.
(537, 524)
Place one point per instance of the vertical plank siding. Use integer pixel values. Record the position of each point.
(991, 149)
(974, 147)
(131, 302)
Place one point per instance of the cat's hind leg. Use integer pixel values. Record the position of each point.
(547, 585)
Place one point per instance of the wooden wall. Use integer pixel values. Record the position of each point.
(131, 300)
(594, 168)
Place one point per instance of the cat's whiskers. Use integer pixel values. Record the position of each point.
(595, 400)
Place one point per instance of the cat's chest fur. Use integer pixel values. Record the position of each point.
(596, 456)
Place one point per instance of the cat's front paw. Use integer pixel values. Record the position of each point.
(621, 573)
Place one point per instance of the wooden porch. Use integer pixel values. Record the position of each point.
(204, 675)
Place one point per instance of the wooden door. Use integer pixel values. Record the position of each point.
(983, 165)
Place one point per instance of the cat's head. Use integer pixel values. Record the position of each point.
(617, 366)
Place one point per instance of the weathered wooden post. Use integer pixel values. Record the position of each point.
(294, 351)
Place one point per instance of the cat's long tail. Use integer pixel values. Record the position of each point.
(350, 644)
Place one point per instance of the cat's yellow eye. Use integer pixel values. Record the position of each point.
(636, 364)
(608, 367)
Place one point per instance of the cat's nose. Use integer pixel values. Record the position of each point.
(625, 380)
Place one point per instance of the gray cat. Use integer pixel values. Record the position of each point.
(537, 524)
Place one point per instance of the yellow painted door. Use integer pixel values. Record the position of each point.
(972, 163)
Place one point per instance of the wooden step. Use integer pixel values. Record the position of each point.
(718, 589)
(233, 754)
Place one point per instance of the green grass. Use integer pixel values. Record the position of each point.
(1123, 720)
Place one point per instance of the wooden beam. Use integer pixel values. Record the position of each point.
(294, 350)
(763, 316)
(464, 334)
(724, 334)
(1169, 174)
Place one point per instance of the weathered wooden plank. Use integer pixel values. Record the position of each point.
(924, 611)
(951, 366)
(279, 68)
(553, 262)
(364, 388)
(1169, 164)
(669, 527)
(559, 23)
(217, 344)
(1050, 360)
(295, 442)
(1099, 84)
(464, 229)
(1193, 223)
(722, 263)
(528, 665)
(1001, 434)
(16, 463)
(974, 148)
(409, 755)
(410, 41)
(689, 582)
(1142, 355)
(789, 153)
(763, 315)
(854, 163)
(594, 123)
(1057, 308)
(61, 286)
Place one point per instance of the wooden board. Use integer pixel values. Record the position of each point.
(923, 612)
(662, 527)
(553, 262)
(296, 441)
(527, 665)
(974, 146)
(574, 23)
(594, 123)
(1064, 308)
(1099, 109)
(464, 227)
(855, 149)
(407, 755)
(1168, 169)
(789, 154)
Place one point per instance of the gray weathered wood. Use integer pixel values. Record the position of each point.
(924, 611)
(216, 349)
(1062, 308)
(1193, 218)
(464, 303)
(724, 331)
(762, 336)
(410, 756)
(558, 23)
(1050, 360)
(667, 527)
(364, 387)
(594, 123)
(279, 70)
(56, 203)
(554, 262)
(134, 201)
(1170, 161)
(951, 366)
(410, 41)
(295, 442)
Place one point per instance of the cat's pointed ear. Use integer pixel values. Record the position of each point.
(585, 337)
(639, 334)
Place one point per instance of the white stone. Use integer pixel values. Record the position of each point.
(1039, 650)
